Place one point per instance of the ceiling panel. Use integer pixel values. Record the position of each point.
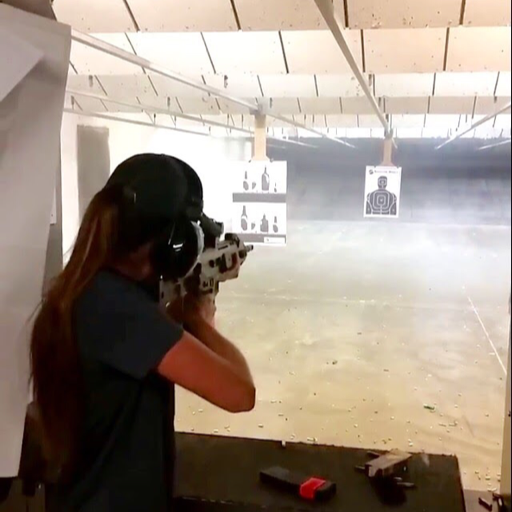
(341, 121)
(354, 106)
(164, 120)
(319, 121)
(183, 15)
(279, 15)
(285, 106)
(112, 107)
(90, 104)
(128, 86)
(406, 105)
(407, 121)
(69, 102)
(221, 118)
(487, 13)
(88, 61)
(465, 84)
(228, 107)
(404, 50)
(246, 52)
(276, 123)
(320, 105)
(164, 102)
(345, 86)
(440, 105)
(442, 121)
(241, 121)
(504, 84)
(187, 124)
(367, 121)
(316, 52)
(241, 85)
(94, 15)
(87, 83)
(199, 106)
(486, 106)
(236, 120)
(403, 13)
(167, 87)
(290, 86)
(182, 53)
(415, 84)
(311, 121)
(479, 49)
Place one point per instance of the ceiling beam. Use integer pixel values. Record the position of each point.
(109, 117)
(294, 123)
(475, 125)
(146, 64)
(326, 9)
(154, 110)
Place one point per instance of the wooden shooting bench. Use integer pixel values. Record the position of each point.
(218, 474)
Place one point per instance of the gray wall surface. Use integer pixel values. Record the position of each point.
(54, 259)
(455, 185)
(93, 161)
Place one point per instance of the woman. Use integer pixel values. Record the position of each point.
(105, 356)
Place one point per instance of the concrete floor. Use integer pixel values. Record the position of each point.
(354, 327)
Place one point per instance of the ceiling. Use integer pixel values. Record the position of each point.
(432, 65)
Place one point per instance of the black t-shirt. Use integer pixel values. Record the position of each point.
(127, 453)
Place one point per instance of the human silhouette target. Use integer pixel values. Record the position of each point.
(382, 195)
(381, 201)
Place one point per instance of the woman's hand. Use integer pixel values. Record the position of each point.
(176, 310)
(199, 309)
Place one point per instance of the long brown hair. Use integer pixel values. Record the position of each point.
(55, 363)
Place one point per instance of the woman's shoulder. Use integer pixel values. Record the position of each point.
(109, 290)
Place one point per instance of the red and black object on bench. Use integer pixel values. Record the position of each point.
(306, 487)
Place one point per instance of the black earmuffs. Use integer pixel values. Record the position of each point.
(177, 250)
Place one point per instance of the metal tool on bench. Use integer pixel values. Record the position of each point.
(306, 487)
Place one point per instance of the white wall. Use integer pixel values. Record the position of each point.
(30, 117)
(209, 156)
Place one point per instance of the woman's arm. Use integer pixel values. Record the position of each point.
(209, 365)
(221, 346)
(197, 368)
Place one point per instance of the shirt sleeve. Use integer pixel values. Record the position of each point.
(126, 330)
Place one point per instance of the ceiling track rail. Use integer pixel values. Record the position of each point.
(326, 9)
(153, 109)
(148, 109)
(475, 125)
(148, 65)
